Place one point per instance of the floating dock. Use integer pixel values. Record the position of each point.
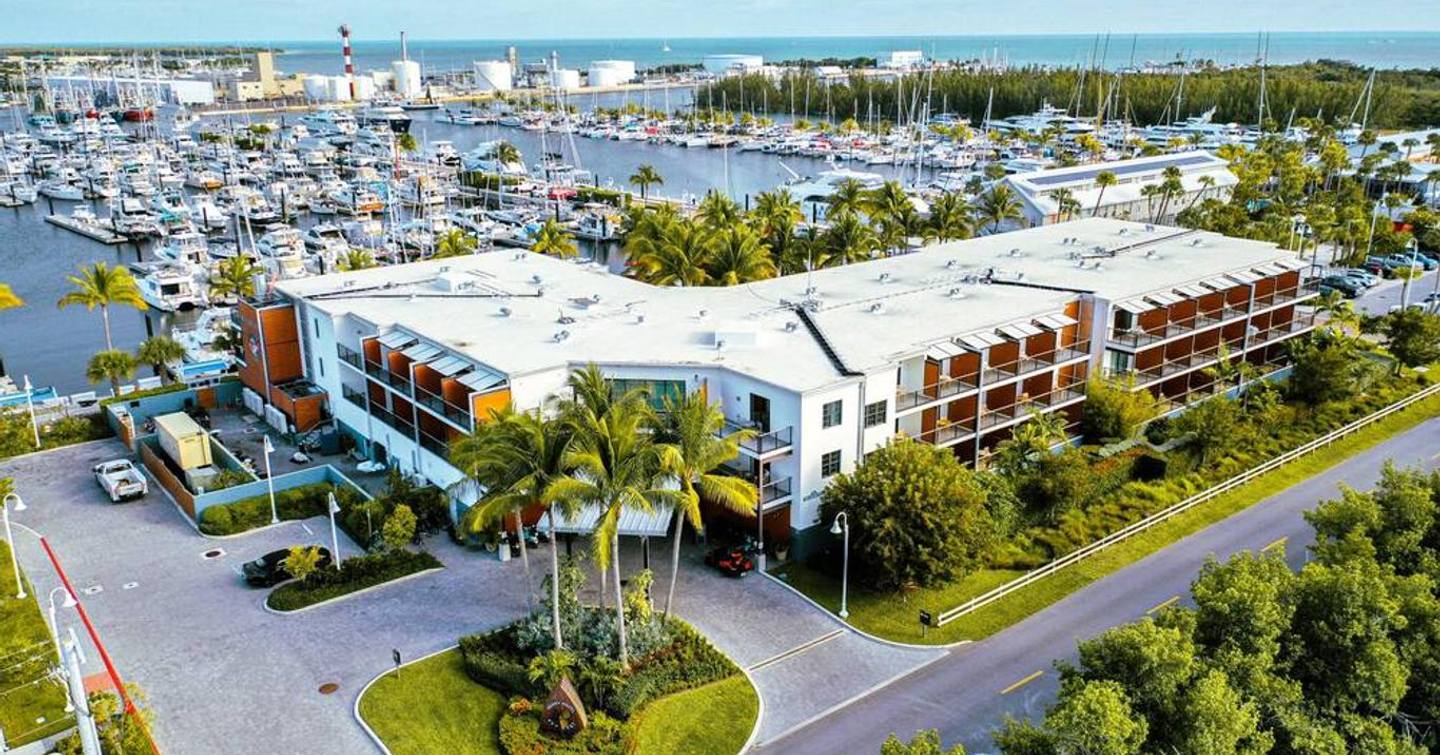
(88, 230)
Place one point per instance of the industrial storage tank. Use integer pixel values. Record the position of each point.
(339, 89)
(565, 78)
(625, 69)
(606, 77)
(317, 88)
(407, 78)
(494, 75)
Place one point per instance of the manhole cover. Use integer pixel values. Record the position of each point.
(95, 590)
(213, 553)
(129, 585)
(328, 688)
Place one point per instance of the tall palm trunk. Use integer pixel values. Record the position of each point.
(525, 560)
(1098, 199)
(555, 582)
(105, 318)
(675, 560)
(619, 600)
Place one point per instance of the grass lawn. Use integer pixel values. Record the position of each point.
(897, 618)
(712, 720)
(27, 711)
(434, 707)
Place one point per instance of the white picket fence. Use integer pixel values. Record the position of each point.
(1136, 528)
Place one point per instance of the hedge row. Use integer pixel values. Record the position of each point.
(248, 513)
(354, 574)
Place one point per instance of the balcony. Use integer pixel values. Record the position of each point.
(948, 387)
(760, 444)
(355, 397)
(1029, 365)
(398, 382)
(1282, 330)
(1279, 298)
(438, 405)
(1004, 415)
(350, 357)
(775, 492)
(435, 445)
(393, 420)
(1135, 338)
(948, 433)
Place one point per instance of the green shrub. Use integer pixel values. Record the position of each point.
(300, 502)
(354, 574)
(1115, 410)
(520, 735)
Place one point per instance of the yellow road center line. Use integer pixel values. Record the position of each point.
(1022, 682)
(1164, 605)
(1275, 544)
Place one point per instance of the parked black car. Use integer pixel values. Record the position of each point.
(269, 569)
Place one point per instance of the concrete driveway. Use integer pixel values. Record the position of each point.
(222, 674)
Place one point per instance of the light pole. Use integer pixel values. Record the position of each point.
(69, 602)
(30, 400)
(1414, 247)
(270, 480)
(841, 526)
(334, 508)
(10, 540)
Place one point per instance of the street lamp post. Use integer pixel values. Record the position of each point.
(270, 480)
(1414, 247)
(334, 508)
(841, 526)
(10, 540)
(69, 602)
(30, 401)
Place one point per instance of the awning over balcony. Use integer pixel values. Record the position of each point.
(1243, 276)
(1020, 330)
(397, 339)
(1218, 284)
(632, 523)
(481, 379)
(1192, 291)
(1291, 263)
(1164, 298)
(1268, 269)
(450, 366)
(981, 341)
(1056, 322)
(1135, 306)
(944, 350)
(422, 352)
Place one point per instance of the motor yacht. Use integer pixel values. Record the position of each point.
(167, 286)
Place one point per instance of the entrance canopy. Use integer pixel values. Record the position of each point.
(632, 523)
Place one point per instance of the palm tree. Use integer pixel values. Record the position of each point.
(950, 218)
(776, 213)
(101, 286)
(1104, 179)
(676, 256)
(616, 466)
(738, 255)
(516, 457)
(1342, 318)
(113, 365)
(848, 196)
(998, 205)
(158, 351)
(235, 278)
(717, 211)
(644, 177)
(406, 142)
(506, 153)
(891, 207)
(848, 239)
(455, 243)
(8, 299)
(692, 450)
(552, 239)
(357, 259)
(1065, 203)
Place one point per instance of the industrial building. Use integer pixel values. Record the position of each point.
(114, 88)
(721, 65)
(1202, 175)
(953, 345)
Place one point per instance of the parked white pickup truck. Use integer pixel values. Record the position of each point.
(121, 480)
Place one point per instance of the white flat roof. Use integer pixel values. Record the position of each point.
(520, 313)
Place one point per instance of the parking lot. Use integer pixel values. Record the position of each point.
(222, 674)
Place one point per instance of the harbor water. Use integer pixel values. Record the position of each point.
(52, 345)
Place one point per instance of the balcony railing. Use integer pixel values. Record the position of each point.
(947, 387)
(775, 490)
(948, 433)
(760, 444)
(1033, 363)
(395, 421)
(994, 417)
(355, 397)
(349, 356)
(435, 445)
(1135, 337)
(439, 405)
(394, 380)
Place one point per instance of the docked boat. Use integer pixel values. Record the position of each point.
(330, 123)
(57, 189)
(392, 117)
(282, 251)
(823, 184)
(185, 248)
(167, 286)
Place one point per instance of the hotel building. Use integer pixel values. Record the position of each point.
(953, 345)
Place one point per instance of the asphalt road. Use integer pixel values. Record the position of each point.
(971, 691)
(1386, 296)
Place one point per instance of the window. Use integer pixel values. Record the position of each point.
(830, 464)
(317, 327)
(321, 363)
(655, 391)
(830, 414)
(875, 414)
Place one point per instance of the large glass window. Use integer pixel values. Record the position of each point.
(656, 391)
(830, 414)
(875, 414)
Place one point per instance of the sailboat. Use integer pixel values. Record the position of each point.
(665, 46)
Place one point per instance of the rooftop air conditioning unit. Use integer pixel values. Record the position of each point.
(878, 307)
(884, 277)
(791, 326)
(561, 335)
(504, 311)
(1015, 252)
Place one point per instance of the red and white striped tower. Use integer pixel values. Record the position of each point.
(349, 63)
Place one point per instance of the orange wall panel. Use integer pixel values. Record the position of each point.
(484, 403)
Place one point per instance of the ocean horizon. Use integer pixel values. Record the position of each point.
(1380, 49)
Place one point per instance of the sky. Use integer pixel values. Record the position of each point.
(79, 21)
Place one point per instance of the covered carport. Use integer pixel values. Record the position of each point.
(633, 523)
